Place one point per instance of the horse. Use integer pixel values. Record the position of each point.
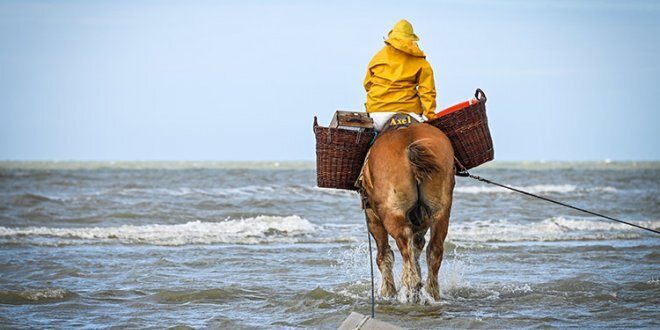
(407, 182)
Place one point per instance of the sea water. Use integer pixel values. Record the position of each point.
(258, 245)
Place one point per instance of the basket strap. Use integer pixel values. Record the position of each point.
(364, 199)
(328, 138)
(357, 139)
(480, 95)
(459, 169)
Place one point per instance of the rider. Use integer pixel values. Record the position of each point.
(399, 79)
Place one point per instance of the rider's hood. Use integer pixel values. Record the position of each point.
(406, 46)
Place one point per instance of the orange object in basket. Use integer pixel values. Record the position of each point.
(457, 107)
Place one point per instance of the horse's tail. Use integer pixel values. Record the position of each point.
(422, 160)
(423, 163)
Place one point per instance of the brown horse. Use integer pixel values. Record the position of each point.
(407, 181)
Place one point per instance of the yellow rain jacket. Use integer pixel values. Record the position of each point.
(399, 79)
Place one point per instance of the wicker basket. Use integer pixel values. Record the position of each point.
(339, 155)
(467, 128)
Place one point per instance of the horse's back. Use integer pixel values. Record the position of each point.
(395, 144)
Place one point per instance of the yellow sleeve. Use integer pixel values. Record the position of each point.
(426, 91)
(367, 80)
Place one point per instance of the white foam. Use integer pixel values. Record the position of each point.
(336, 192)
(185, 191)
(266, 191)
(51, 293)
(534, 189)
(258, 230)
(272, 191)
(551, 229)
(351, 261)
(602, 189)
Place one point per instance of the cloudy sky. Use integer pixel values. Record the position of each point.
(242, 80)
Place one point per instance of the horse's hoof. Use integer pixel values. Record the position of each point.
(432, 289)
(414, 298)
(435, 295)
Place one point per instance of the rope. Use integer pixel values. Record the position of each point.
(371, 263)
(466, 174)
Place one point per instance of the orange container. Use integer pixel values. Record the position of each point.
(466, 126)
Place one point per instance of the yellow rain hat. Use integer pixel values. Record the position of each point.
(403, 30)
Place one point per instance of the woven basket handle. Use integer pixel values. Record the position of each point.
(480, 95)
(328, 136)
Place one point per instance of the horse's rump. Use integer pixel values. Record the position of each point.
(422, 159)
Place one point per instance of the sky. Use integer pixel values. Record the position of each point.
(242, 80)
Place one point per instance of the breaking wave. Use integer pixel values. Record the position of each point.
(534, 189)
(37, 296)
(253, 190)
(551, 229)
(257, 230)
(294, 229)
(277, 192)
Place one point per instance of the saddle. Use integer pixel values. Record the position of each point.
(398, 121)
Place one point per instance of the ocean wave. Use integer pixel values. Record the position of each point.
(262, 191)
(551, 229)
(534, 189)
(131, 191)
(278, 191)
(257, 230)
(38, 296)
(214, 295)
(30, 199)
(579, 290)
(186, 191)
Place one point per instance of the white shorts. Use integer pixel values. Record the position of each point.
(380, 118)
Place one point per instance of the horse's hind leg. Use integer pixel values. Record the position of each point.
(410, 277)
(435, 249)
(385, 257)
(418, 245)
